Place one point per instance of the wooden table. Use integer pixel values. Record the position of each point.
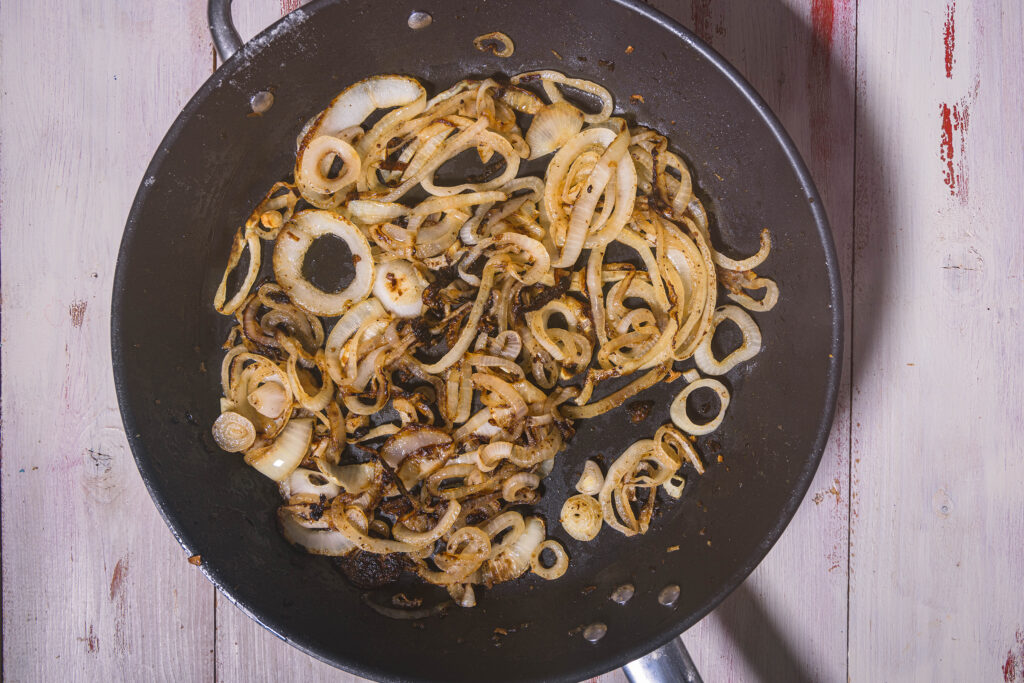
(904, 563)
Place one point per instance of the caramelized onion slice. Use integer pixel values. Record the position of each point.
(280, 458)
(581, 517)
(290, 252)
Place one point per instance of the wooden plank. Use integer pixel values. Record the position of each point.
(937, 562)
(788, 621)
(94, 585)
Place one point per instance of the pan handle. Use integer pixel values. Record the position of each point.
(225, 36)
(670, 663)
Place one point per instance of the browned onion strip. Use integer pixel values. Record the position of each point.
(495, 42)
(244, 239)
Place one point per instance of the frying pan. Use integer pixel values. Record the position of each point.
(216, 162)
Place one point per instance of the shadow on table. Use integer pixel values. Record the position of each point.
(791, 60)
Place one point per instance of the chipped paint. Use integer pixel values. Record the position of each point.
(949, 36)
(76, 311)
(118, 577)
(954, 125)
(819, 82)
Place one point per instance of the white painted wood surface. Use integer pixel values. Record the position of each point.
(912, 570)
(937, 558)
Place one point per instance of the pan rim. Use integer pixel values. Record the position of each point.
(602, 661)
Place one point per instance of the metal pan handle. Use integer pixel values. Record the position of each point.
(222, 28)
(670, 663)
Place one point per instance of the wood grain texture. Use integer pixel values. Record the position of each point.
(937, 563)
(94, 585)
(788, 620)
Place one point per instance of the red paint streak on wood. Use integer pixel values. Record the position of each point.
(946, 148)
(92, 642)
(820, 82)
(1010, 669)
(953, 147)
(701, 14)
(77, 312)
(117, 578)
(120, 599)
(289, 6)
(949, 36)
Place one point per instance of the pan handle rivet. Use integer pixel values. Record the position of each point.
(623, 593)
(261, 102)
(418, 20)
(595, 632)
(669, 595)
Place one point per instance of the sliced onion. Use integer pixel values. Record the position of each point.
(316, 161)
(751, 346)
(557, 569)
(750, 262)
(290, 252)
(399, 287)
(552, 127)
(280, 458)
(495, 42)
(514, 560)
(591, 480)
(313, 541)
(270, 399)
(309, 484)
(244, 239)
(411, 439)
(233, 433)
(762, 305)
(344, 329)
(682, 419)
(581, 517)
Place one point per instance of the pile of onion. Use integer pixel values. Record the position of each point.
(416, 411)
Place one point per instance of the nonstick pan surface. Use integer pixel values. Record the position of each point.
(216, 162)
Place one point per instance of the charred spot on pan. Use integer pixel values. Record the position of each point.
(606, 64)
(639, 411)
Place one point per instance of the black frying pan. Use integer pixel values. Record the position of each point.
(217, 161)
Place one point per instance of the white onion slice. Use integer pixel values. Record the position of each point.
(290, 252)
(306, 482)
(682, 419)
(750, 262)
(750, 347)
(552, 127)
(591, 481)
(343, 330)
(561, 560)
(280, 458)
(581, 517)
(314, 541)
(762, 305)
(399, 287)
(514, 560)
(233, 432)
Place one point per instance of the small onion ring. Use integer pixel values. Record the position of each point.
(679, 414)
(558, 568)
(290, 251)
(751, 346)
